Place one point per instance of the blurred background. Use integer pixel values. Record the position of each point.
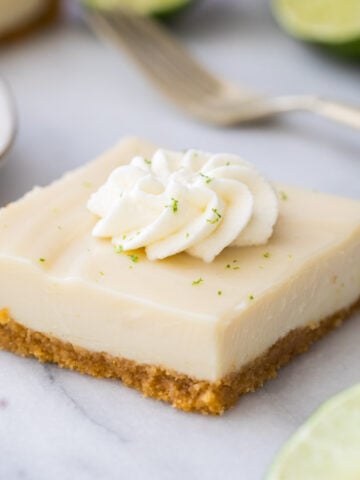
(76, 96)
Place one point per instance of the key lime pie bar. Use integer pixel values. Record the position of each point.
(184, 274)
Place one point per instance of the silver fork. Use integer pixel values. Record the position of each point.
(191, 87)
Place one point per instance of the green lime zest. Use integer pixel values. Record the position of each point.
(206, 177)
(216, 218)
(283, 195)
(118, 249)
(174, 205)
(134, 258)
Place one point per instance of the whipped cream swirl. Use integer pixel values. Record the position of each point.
(194, 202)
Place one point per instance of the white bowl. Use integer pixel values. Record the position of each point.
(7, 121)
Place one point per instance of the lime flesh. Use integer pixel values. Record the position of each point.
(331, 22)
(327, 446)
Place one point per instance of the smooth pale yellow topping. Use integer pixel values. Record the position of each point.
(153, 312)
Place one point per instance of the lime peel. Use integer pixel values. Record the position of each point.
(142, 7)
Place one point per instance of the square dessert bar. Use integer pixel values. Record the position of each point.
(191, 333)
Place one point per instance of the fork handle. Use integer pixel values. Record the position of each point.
(337, 111)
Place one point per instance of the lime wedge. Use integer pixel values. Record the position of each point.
(143, 7)
(327, 446)
(331, 22)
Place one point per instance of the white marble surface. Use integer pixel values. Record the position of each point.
(75, 98)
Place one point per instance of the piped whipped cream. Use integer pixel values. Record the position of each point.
(190, 201)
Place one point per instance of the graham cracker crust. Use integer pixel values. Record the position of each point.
(182, 391)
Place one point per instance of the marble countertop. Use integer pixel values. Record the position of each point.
(76, 97)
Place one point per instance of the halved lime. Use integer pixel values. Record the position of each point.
(331, 22)
(143, 7)
(327, 446)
